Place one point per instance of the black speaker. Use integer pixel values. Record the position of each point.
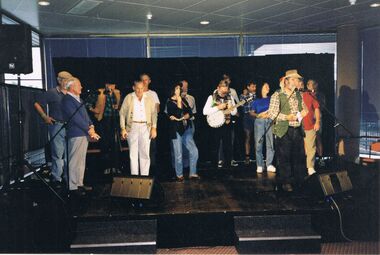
(327, 184)
(132, 187)
(15, 49)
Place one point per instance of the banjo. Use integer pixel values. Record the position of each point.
(217, 119)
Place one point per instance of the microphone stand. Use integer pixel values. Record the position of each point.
(65, 124)
(336, 120)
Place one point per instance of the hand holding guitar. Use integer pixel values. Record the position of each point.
(222, 106)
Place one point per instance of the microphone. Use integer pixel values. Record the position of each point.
(303, 90)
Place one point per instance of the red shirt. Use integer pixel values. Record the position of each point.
(311, 104)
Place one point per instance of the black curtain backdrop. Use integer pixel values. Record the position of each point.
(34, 130)
(203, 75)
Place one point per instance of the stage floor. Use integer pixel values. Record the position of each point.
(192, 213)
(237, 191)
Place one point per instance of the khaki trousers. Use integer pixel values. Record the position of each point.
(310, 147)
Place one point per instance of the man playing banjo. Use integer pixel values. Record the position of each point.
(219, 108)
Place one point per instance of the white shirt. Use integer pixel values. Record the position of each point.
(210, 108)
(139, 108)
(153, 95)
(191, 100)
(234, 95)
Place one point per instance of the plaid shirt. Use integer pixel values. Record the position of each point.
(248, 106)
(274, 108)
(108, 109)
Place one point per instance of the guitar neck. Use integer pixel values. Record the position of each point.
(227, 111)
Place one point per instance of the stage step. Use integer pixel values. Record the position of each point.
(115, 236)
(276, 234)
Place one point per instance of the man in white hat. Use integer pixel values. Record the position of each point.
(287, 109)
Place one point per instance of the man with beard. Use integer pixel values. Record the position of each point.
(287, 110)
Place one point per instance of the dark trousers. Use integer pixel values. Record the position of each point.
(291, 157)
(110, 146)
(224, 134)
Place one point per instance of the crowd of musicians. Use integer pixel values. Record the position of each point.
(284, 117)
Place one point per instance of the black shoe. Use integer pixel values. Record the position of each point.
(77, 193)
(287, 187)
(56, 184)
(180, 178)
(85, 188)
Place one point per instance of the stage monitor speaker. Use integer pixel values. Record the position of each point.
(328, 184)
(132, 187)
(16, 49)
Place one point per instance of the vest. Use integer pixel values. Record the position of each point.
(281, 126)
(101, 103)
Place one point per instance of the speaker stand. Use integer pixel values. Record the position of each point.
(20, 120)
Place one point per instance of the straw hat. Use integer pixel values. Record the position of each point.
(292, 73)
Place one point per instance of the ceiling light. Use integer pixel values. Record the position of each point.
(374, 5)
(205, 22)
(149, 16)
(43, 3)
(352, 2)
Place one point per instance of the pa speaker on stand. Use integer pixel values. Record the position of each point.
(16, 49)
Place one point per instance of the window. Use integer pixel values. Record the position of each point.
(216, 46)
(33, 79)
(291, 44)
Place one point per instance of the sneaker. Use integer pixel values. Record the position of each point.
(180, 178)
(194, 177)
(259, 169)
(271, 169)
(311, 171)
(220, 163)
(247, 161)
(234, 163)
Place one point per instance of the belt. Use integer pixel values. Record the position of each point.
(294, 127)
(139, 122)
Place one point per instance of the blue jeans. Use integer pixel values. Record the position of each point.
(58, 147)
(188, 142)
(185, 152)
(260, 126)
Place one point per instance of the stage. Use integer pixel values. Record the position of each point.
(236, 190)
(190, 213)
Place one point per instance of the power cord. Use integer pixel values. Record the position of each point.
(331, 199)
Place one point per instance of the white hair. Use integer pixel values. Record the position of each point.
(70, 82)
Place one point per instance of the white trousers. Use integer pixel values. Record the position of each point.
(139, 145)
(77, 161)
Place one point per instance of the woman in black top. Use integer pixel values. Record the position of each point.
(179, 113)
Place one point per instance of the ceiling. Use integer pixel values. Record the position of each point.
(184, 16)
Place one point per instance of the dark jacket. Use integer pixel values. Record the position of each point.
(173, 110)
(80, 123)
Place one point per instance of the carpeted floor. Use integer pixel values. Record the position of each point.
(327, 248)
